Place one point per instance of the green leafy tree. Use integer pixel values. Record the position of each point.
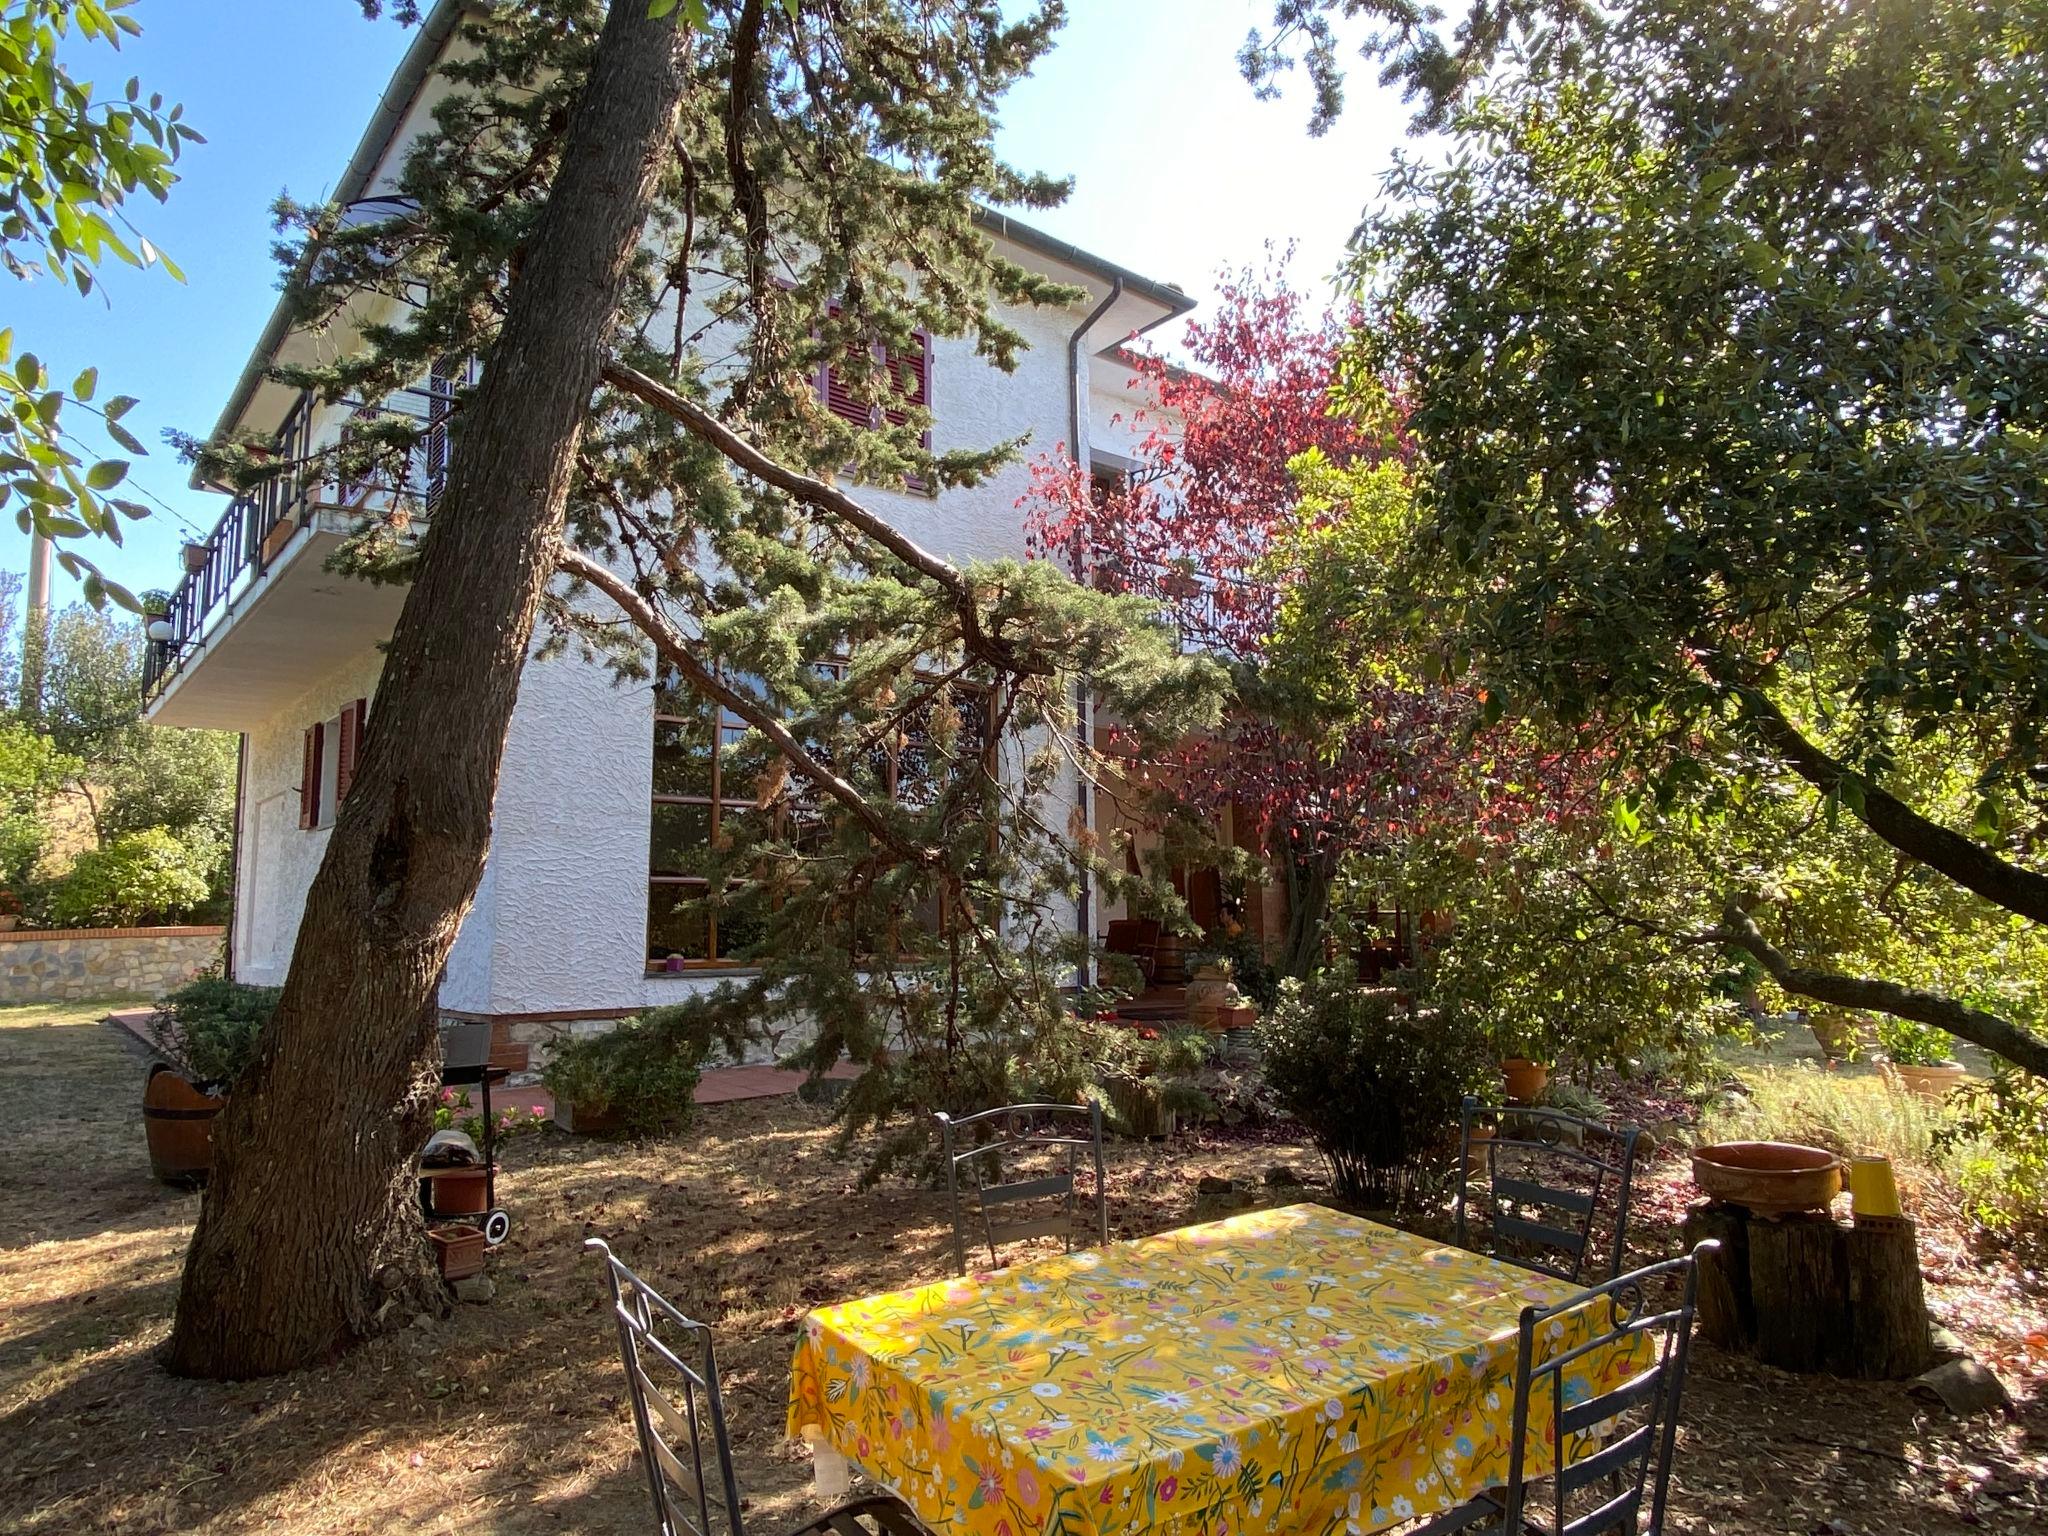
(1720, 340)
(133, 776)
(32, 770)
(139, 877)
(71, 157)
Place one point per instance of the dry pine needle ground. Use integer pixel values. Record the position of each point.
(510, 1416)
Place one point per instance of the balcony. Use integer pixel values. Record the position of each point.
(1215, 613)
(258, 618)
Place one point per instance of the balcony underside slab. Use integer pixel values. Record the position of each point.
(277, 638)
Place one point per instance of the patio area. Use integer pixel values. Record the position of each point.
(511, 1416)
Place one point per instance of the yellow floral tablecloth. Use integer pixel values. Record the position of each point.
(1291, 1370)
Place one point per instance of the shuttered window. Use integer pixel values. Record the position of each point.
(309, 776)
(910, 372)
(349, 746)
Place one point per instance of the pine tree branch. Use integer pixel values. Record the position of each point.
(675, 649)
(836, 504)
(1979, 1028)
(1970, 864)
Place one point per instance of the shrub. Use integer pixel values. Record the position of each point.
(207, 1028)
(1374, 1082)
(139, 877)
(1995, 1141)
(1910, 1044)
(645, 1071)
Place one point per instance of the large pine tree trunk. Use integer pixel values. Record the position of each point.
(310, 1234)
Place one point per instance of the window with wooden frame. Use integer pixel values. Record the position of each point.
(910, 374)
(699, 799)
(328, 756)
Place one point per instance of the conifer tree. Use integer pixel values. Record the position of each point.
(652, 230)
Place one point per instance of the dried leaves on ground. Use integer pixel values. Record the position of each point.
(510, 1416)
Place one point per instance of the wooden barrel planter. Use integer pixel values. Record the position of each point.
(178, 1120)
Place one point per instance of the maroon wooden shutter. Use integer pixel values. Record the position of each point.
(309, 777)
(346, 748)
(911, 374)
(841, 401)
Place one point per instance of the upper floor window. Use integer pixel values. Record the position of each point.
(910, 374)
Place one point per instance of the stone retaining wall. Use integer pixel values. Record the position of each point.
(63, 965)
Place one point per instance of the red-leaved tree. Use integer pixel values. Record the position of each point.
(1195, 525)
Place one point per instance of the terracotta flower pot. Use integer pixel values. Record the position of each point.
(458, 1191)
(1475, 1155)
(1929, 1084)
(459, 1250)
(1524, 1079)
(1140, 1109)
(178, 1120)
(1769, 1177)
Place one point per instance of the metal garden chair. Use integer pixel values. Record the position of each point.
(1618, 1443)
(672, 1376)
(1547, 1175)
(1000, 1136)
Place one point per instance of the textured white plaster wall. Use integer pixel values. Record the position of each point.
(277, 858)
(559, 923)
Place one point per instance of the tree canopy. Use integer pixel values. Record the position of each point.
(72, 155)
(1719, 337)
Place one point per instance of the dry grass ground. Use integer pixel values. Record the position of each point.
(508, 1417)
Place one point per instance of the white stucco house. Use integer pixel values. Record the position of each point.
(262, 639)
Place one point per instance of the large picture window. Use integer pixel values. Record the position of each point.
(702, 797)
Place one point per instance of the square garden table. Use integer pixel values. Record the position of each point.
(1292, 1370)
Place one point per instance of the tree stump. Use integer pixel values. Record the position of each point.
(1887, 1308)
(1799, 1285)
(1727, 1318)
(1805, 1293)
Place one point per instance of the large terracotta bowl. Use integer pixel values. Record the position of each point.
(1769, 1177)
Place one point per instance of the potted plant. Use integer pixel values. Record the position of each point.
(635, 1079)
(205, 1033)
(1918, 1059)
(192, 554)
(1524, 1065)
(1148, 1076)
(1836, 1032)
(1209, 990)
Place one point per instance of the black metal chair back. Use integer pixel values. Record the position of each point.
(1549, 1177)
(984, 1144)
(1615, 1447)
(678, 1410)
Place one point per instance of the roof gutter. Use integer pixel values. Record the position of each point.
(393, 107)
(1176, 300)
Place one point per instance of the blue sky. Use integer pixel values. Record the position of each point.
(1178, 172)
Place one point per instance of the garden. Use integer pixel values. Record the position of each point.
(510, 1415)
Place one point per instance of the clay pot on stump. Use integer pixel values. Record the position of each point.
(178, 1120)
(1524, 1079)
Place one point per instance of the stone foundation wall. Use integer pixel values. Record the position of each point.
(68, 965)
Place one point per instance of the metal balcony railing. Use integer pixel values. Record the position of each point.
(240, 547)
(1213, 612)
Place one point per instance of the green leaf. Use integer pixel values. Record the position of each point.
(88, 381)
(107, 474)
